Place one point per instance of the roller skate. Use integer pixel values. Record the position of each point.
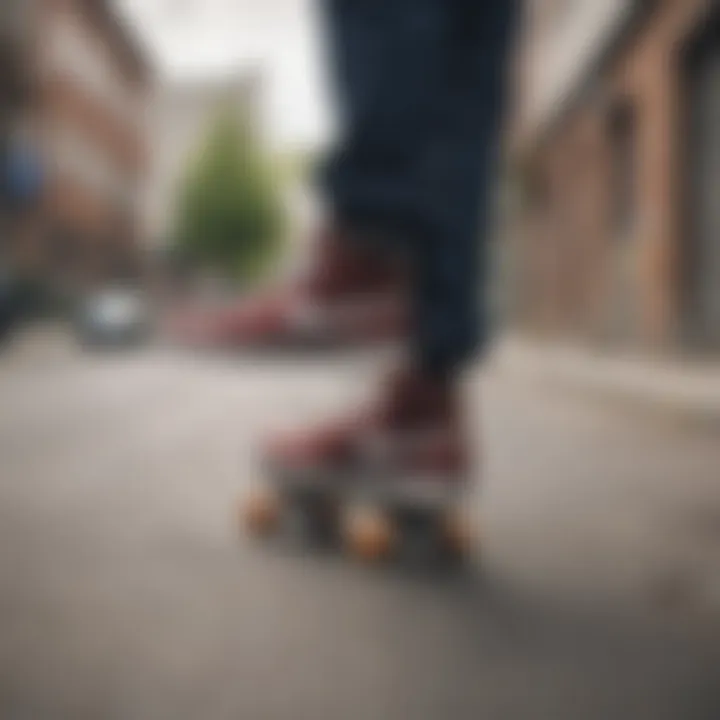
(388, 481)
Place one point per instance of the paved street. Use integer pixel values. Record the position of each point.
(127, 593)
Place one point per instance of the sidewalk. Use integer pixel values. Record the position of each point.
(687, 389)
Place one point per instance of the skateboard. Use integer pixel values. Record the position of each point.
(373, 520)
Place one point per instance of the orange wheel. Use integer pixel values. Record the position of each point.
(261, 512)
(369, 534)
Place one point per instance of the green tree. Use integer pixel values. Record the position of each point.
(230, 212)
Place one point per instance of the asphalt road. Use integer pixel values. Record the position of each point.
(126, 591)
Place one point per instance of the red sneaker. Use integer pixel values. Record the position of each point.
(353, 294)
(410, 445)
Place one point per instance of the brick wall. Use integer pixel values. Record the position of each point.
(579, 277)
(90, 107)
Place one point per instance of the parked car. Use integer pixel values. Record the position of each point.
(113, 317)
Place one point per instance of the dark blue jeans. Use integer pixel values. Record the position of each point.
(420, 87)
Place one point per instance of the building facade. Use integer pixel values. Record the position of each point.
(85, 116)
(617, 138)
(14, 47)
(16, 43)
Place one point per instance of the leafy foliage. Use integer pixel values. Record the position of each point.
(230, 213)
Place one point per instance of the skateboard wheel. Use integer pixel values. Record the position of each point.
(261, 513)
(369, 535)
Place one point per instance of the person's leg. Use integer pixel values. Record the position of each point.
(389, 66)
(451, 321)
(421, 85)
(416, 158)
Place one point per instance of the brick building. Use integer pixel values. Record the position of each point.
(617, 138)
(13, 60)
(84, 112)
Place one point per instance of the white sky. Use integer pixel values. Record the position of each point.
(201, 37)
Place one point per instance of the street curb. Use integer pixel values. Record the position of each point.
(686, 390)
